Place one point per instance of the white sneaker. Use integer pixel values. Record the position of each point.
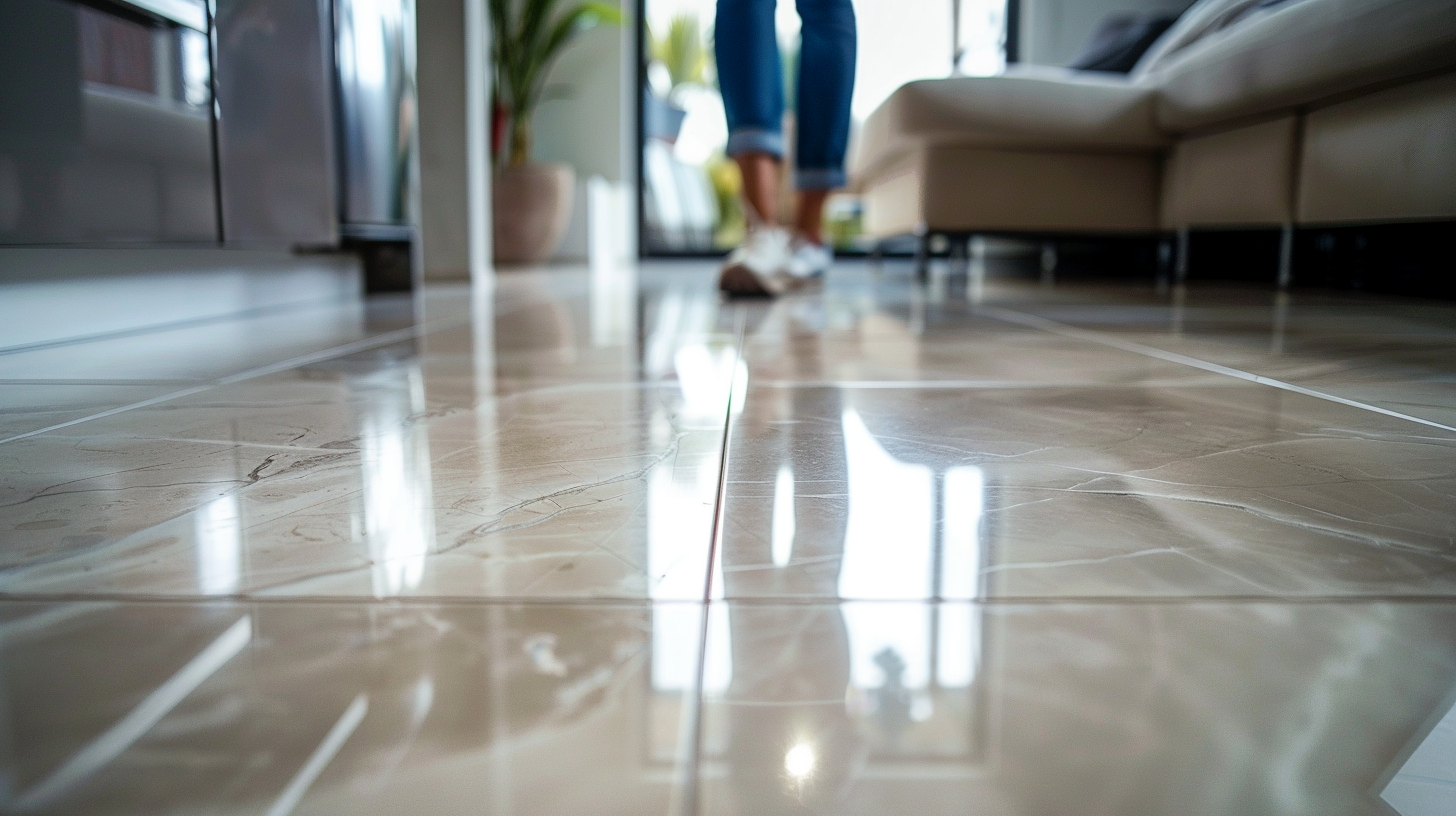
(761, 265)
(808, 259)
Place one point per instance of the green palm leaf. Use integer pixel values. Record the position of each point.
(529, 38)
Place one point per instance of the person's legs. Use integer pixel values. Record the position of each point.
(809, 219)
(760, 172)
(751, 79)
(826, 86)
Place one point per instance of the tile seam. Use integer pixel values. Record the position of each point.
(1055, 327)
(364, 344)
(116, 383)
(333, 600)
(691, 793)
(10, 598)
(975, 385)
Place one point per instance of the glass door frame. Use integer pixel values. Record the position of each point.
(1011, 44)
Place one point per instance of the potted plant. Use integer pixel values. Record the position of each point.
(531, 200)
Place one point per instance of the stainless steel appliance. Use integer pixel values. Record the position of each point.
(272, 123)
(374, 55)
(105, 128)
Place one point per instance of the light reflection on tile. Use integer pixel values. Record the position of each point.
(558, 441)
(460, 709)
(875, 345)
(521, 456)
(1145, 709)
(605, 492)
(923, 493)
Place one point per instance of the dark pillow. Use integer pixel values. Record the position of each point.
(1120, 41)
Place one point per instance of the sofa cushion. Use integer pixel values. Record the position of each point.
(1384, 156)
(1199, 21)
(1233, 178)
(1026, 110)
(971, 188)
(1297, 53)
(1120, 41)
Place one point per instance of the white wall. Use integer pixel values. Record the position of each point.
(1052, 31)
(449, 222)
(589, 127)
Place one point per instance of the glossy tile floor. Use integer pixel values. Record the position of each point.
(599, 543)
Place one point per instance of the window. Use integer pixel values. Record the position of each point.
(690, 189)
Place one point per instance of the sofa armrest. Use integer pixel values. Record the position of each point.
(1059, 110)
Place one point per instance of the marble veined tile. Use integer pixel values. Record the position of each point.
(566, 441)
(1014, 493)
(72, 497)
(1194, 709)
(318, 708)
(305, 487)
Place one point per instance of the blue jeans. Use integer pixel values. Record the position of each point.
(750, 75)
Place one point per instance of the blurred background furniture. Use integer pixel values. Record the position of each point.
(1245, 113)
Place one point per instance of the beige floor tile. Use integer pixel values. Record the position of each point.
(872, 708)
(346, 709)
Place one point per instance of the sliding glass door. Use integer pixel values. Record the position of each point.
(690, 188)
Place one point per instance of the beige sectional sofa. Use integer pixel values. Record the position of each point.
(1246, 113)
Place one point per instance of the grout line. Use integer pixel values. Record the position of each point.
(1113, 600)
(122, 382)
(402, 601)
(720, 500)
(1054, 327)
(185, 392)
(157, 328)
(416, 601)
(23, 628)
(388, 338)
(986, 385)
(691, 795)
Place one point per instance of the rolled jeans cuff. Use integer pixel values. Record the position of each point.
(755, 140)
(820, 178)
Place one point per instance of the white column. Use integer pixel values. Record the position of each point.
(454, 88)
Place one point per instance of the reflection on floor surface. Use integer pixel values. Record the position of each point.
(601, 543)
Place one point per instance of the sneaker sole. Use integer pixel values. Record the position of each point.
(739, 281)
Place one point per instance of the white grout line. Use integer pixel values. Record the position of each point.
(321, 757)
(687, 790)
(37, 623)
(988, 385)
(138, 383)
(1063, 329)
(388, 338)
(130, 728)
